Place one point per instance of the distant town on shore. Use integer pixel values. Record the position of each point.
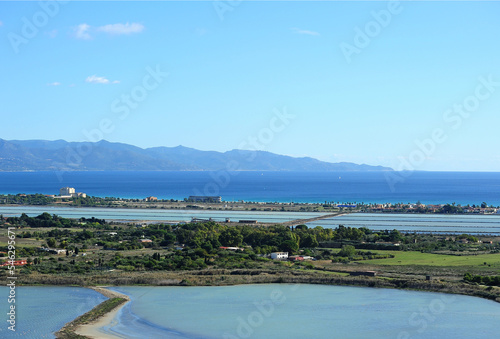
(70, 197)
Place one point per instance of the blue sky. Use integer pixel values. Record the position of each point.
(365, 82)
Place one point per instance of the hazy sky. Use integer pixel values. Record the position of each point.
(366, 82)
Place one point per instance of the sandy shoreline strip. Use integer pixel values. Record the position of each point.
(93, 329)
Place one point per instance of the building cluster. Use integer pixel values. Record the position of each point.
(204, 198)
(52, 250)
(432, 208)
(69, 192)
(285, 256)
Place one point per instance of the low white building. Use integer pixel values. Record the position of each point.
(279, 255)
(70, 192)
(65, 191)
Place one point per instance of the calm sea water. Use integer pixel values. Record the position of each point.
(428, 187)
(41, 311)
(471, 224)
(301, 311)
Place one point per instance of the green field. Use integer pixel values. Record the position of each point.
(428, 259)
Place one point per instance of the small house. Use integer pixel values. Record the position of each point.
(279, 255)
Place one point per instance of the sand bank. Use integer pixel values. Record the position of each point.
(94, 329)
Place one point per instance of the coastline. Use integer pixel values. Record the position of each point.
(89, 325)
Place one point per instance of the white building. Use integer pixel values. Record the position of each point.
(279, 255)
(67, 191)
(70, 192)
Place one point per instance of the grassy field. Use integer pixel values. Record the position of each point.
(30, 242)
(428, 259)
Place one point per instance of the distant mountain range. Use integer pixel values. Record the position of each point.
(43, 155)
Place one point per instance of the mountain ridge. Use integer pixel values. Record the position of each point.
(46, 155)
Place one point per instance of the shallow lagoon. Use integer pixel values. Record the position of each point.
(472, 224)
(156, 214)
(301, 311)
(261, 311)
(42, 310)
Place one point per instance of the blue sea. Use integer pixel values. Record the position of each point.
(368, 187)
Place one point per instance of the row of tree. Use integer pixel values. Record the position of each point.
(484, 280)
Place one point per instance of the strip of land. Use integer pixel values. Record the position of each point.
(304, 221)
(219, 204)
(89, 324)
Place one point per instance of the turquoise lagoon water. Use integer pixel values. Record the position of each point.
(472, 224)
(41, 311)
(260, 311)
(155, 214)
(301, 311)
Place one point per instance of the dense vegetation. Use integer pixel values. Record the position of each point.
(23, 199)
(41, 199)
(47, 220)
(484, 280)
(94, 245)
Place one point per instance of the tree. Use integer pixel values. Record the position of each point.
(51, 242)
(289, 246)
(308, 240)
(395, 235)
(484, 205)
(231, 237)
(168, 239)
(348, 251)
